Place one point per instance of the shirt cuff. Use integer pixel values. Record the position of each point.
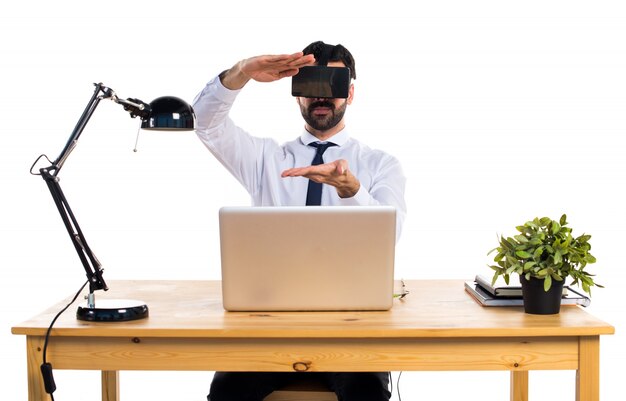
(361, 198)
(221, 92)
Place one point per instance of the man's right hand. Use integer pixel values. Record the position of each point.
(265, 69)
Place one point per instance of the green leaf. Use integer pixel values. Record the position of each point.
(530, 264)
(556, 227)
(491, 251)
(544, 221)
(521, 238)
(523, 254)
(556, 277)
(547, 283)
(506, 244)
(558, 258)
(567, 242)
(586, 288)
(532, 224)
(563, 220)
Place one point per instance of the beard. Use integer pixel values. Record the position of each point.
(326, 122)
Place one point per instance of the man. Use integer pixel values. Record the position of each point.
(350, 174)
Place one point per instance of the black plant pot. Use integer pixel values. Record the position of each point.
(540, 302)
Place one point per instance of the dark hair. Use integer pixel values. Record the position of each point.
(332, 53)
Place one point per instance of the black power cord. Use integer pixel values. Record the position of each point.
(397, 385)
(46, 367)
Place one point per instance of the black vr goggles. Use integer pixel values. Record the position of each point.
(321, 81)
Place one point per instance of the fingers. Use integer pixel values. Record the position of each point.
(288, 73)
(291, 61)
(321, 173)
(289, 65)
(303, 61)
(296, 172)
(273, 67)
(296, 64)
(341, 167)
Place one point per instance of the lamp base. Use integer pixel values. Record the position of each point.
(113, 310)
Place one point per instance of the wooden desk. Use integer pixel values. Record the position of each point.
(437, 327)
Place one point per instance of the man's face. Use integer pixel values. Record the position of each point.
(323, 114)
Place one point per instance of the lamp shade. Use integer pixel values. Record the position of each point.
(169, 113)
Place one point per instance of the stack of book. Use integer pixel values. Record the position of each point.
(502, 294)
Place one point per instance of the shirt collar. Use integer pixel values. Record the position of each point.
(339, 138)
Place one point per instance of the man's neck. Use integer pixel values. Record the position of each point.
(325, 135)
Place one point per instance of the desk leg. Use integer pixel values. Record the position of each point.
(110, 385)
(36, 390)
(588, 373)
(519, 385)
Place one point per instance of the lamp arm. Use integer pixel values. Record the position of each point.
(80, 125)
(92, 266)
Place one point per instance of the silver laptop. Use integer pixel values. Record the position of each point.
(307, 258)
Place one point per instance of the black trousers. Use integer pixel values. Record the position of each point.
(254, 386)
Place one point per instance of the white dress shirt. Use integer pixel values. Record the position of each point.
(258, 162)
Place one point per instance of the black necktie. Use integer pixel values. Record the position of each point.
(314, 194)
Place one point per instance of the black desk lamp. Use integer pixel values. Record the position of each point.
(164, 113)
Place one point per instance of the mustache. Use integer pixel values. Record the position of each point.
(322, 103)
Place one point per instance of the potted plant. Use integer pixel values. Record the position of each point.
(544, 254)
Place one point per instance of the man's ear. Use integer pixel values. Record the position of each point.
(350, 94)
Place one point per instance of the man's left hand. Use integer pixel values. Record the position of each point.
(334, 173)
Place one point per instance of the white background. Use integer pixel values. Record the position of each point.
(499, 111)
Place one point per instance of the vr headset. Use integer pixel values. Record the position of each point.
(321, 81)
